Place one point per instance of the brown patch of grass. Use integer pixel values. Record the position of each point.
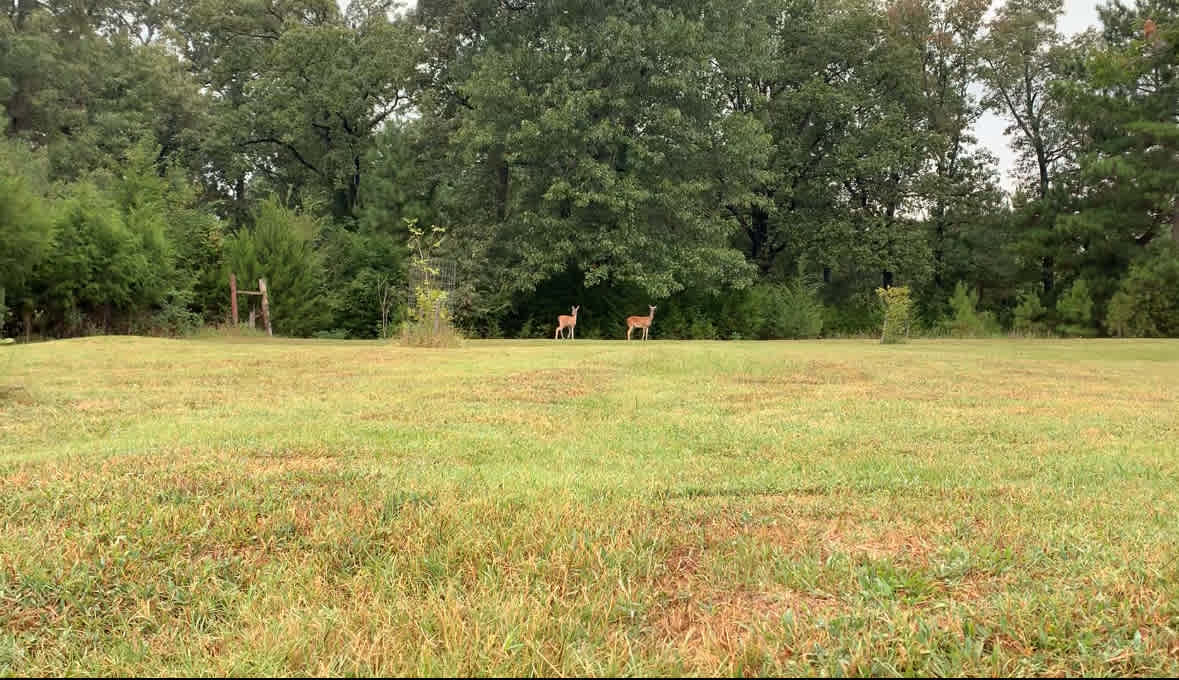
(810, 373)
(543, 386)
(711, 626)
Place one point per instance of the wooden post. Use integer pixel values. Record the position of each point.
(265, 306)
(233, 296)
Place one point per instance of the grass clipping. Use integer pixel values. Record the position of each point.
(430, 323)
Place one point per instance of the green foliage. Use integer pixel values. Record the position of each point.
(365, 289)
(774, 311)
(1030, 316)
(101, 271)
(1147, 302)
(530, 330)
(966, 320)
(175, 316)
(612, 153)
(856, 315)
(897, 314)
(25, 225)
(279, 248)
(1075, 311)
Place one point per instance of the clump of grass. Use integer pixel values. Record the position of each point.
(209, 332)
(425, 331)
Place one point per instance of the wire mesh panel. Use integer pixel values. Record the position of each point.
(436, 274)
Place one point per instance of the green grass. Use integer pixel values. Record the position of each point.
(251, 506)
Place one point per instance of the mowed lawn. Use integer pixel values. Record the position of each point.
(533, 507)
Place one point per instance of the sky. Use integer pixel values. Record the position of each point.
(1078, 16)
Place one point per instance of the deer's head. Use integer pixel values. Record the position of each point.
(575, 308)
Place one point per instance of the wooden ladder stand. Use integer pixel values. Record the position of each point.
(234, 292)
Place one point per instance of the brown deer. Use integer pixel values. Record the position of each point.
(564, 321)
(644, 322)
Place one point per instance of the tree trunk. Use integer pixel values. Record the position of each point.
(759, 237)
(502, 179)
(1175, 221)
(1047, 276)
(1047, 264)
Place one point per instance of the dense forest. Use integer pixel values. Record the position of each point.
(756, 168)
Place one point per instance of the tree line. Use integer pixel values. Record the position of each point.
(756, 168)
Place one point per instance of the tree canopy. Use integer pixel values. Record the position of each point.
(757, 168)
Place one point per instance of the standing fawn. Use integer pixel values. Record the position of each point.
(644, 322)
(565, 321)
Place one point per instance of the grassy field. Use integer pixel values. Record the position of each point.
(823, 508)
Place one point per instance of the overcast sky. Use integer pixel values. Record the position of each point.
(1078, 15)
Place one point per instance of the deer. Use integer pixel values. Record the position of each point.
(644, 322)
(565, 321)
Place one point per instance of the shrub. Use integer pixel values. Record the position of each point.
(861, 315)
(279, 248)
(702, 329)
(1030, 315)
(775, 311)
(966, 321)
(1075, 309)
(897, 314)
(1146, 304)
(528, 330)
(798, 314)
(175, 317)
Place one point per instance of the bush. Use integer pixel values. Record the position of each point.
(702, 329)
(770, 311)
(1147, 304)
(967, 321)
(897, 314)
(528, 330)
(1030, 315)
(175, 318)
(860, 315)
(1075, 309)
(797, 314)
(279, 249)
